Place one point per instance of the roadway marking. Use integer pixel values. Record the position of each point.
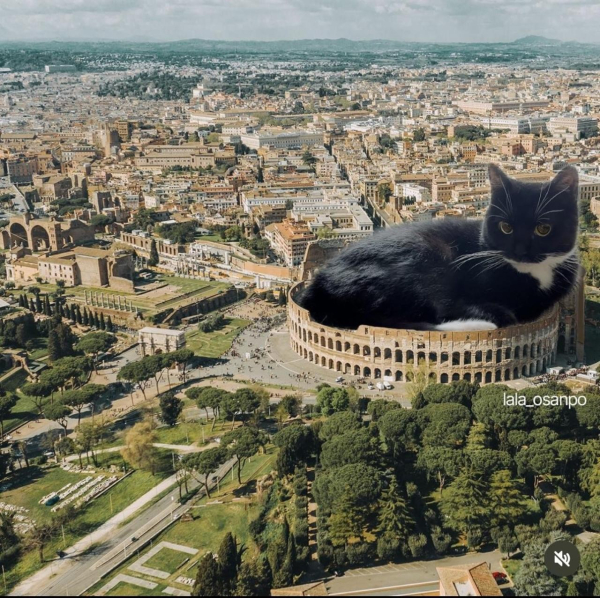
(387, 589)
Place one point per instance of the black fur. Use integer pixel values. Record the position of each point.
(420, 275)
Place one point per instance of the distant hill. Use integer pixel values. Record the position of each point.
(536, 40)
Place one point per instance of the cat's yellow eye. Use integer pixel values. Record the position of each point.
(506, 228)
(542, 230)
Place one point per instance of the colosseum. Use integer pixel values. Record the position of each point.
(481, 356)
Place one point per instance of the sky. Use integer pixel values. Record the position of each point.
(266, 20)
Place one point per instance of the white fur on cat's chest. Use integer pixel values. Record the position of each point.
(544, 271)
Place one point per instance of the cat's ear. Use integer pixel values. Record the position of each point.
(498, 179)
(567, 181)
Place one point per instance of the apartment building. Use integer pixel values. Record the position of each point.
(289, 240)
(282, 140)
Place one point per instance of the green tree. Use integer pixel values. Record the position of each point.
(59, 413)
(330, 400)
(8, 400)
(533, 577)
(242, 444)
(208, 577)
(154, 258)
(95, 343)
(466, 504)
(508, 503)
(440, 464)
(170, 408)
(206, 463)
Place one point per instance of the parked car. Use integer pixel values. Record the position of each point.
(500, 577)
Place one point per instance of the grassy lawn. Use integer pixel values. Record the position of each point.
(191, 432)
(187, 285)
(30, 485)
(511, 566)
(41, 348)
(24, 410)
(207, 530)
(127, 589)
(168, 560)
(215, 344)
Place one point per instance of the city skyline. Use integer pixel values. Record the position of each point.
(449, 21)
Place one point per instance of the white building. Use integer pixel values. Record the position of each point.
(282, 140)
(160, 340)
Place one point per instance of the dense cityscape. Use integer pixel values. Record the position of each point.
(174, 422)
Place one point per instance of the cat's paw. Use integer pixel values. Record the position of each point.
(462, 325)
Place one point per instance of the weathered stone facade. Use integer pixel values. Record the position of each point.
(477, 356)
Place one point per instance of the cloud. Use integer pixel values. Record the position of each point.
(410, 20)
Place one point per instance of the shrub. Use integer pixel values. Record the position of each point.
(474, 538)
(389, 548)
(441, 541)
(360, 553)
(417, 544)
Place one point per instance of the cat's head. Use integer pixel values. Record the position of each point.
(529, 222)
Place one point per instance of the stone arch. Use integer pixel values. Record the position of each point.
(488, 356)
(488, 377)
(421, 357)
(478, 377)
(524, 371)
(444, 357)
(467, 358)
(18, 235)
(304, 334)
(366, 350)
(347, 347)
(329, 344)
(444, 378)
(388, 373)
(338, 366)
(498, 376)
(40, 239)
(507, 353)
(367, 372)
(410, 358)
(398, 356)
(517, 352)
(356, 349)
(387, 353)
(357, 370)
(338, 346)
(467, 377)
(348, 368)
(455, 377)
(455, 358)
(310, 356)
(498, 355)
(432, 357)
(515, 373)
(531, 369)
(525, 350)
(398, 376)
(323, 342)
(507, 374)
(376, 352)
(323, 361)
(5, 238)
(377, 373)
(478, 356)
(432, 377)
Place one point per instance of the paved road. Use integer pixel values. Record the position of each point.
(73, 575)
(418, 577)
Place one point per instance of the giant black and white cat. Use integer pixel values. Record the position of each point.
(457, 274)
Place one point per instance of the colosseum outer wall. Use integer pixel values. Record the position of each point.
(371, 352)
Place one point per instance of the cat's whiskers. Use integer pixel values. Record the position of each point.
(508, 197)
(537, 205)
(543, 216)
(547, 202)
